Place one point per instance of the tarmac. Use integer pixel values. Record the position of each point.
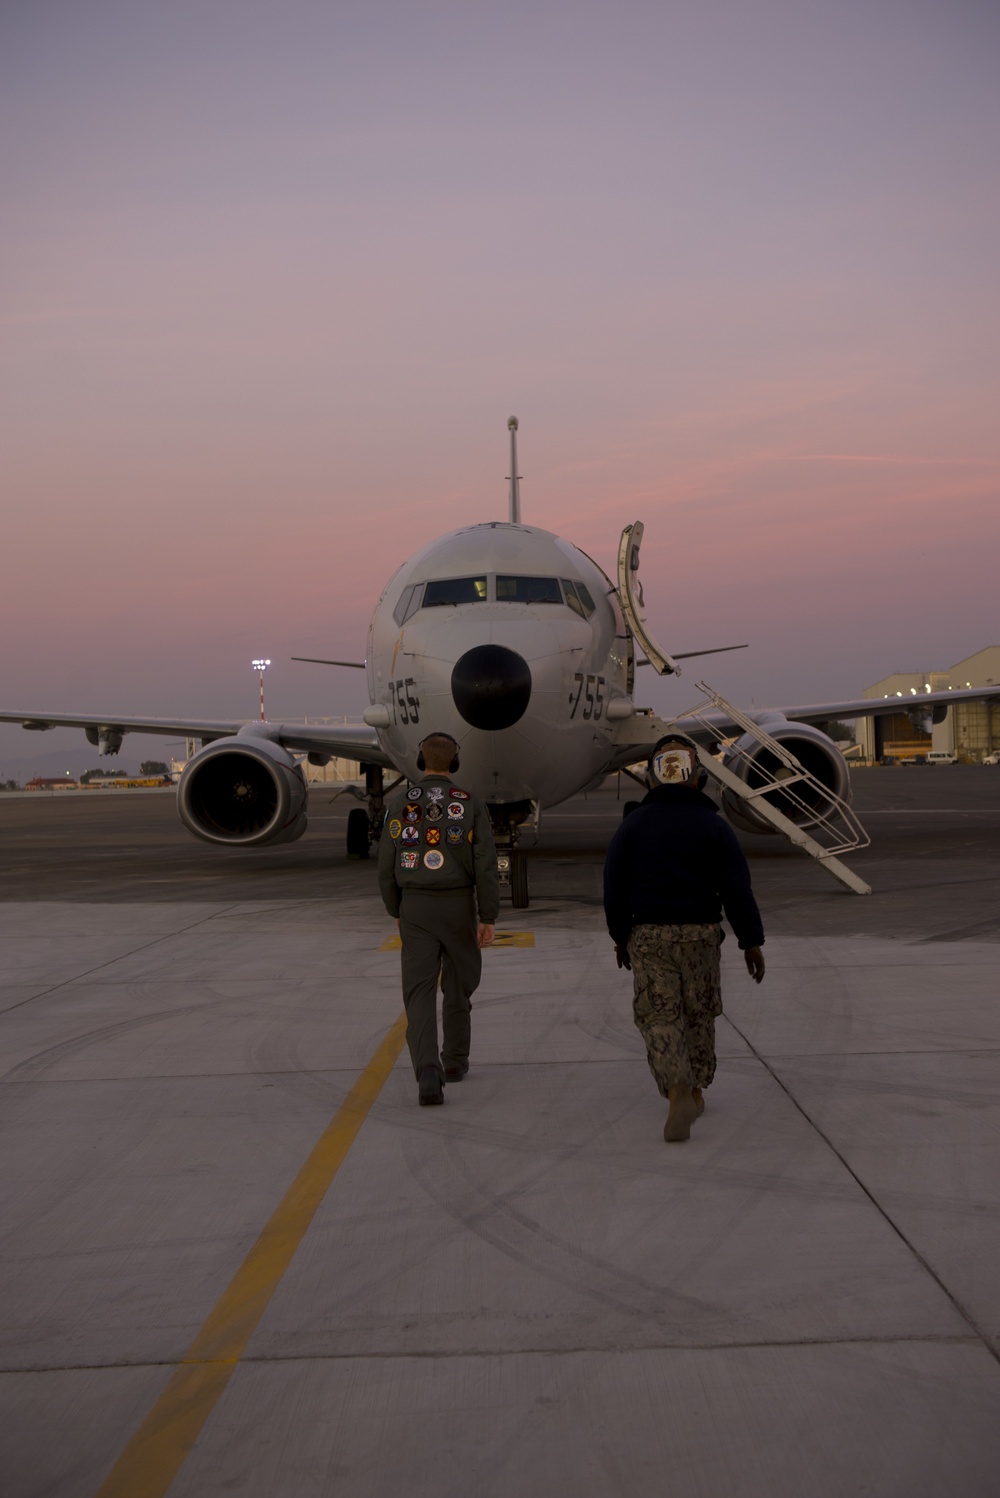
(238, 1258)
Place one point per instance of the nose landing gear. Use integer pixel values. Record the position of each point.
(364, 827)
(512, 867)
(358, 844)
(512, 862)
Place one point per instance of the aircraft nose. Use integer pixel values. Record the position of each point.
(491, 686)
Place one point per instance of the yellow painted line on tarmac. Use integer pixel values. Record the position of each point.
(501, 939)
(156, 1453)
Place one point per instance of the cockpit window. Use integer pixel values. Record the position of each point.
(527, 589)
(578, 598)
(454, 590)
(588, 603)
(409, 602)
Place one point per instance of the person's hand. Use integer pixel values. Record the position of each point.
(486, 933)
(754, 959)
(622, 957)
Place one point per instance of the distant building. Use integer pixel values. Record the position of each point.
(969, 729)
(336, 772)
(51, 783)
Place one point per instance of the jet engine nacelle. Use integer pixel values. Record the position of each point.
(815, 752)
(244, 791)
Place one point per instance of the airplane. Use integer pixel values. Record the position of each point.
(519, 645)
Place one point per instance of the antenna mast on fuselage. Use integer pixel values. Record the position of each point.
(515, 493)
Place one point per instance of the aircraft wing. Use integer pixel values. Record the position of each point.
(878, 707)
(341, 740)
(637, 736)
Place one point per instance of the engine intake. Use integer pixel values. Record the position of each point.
(243, 792)
(817, 753)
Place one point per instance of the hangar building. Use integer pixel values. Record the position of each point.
(969, 729)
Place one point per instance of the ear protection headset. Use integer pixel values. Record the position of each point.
(422, 763)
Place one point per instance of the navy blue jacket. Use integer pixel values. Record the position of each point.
(675, 860)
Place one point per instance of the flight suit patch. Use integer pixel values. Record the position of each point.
(412, 813)
(455, 836)
(458, 795)
(414, 792)
(432, 836)
(433, 858)
(411, 835)
(395, 827)
(435, 793)
(435, 812)
(455, 811)
(408, 858)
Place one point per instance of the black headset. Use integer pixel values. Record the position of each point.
(422, 763)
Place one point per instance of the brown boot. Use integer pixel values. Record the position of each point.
(699, 1101)
(682, 1115)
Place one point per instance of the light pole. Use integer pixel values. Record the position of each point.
(260, 667)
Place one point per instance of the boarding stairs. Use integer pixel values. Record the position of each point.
(833, 827)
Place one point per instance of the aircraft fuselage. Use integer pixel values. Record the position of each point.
(510, 639)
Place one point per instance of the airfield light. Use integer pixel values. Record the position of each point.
(260, 666)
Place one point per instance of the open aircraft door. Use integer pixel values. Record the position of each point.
(633, 607)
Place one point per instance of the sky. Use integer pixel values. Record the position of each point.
(273, 276)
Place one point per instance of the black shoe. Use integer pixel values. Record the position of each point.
(431, 1087)
(457, 1072)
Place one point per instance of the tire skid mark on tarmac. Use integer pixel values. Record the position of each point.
(122, 956)
(33, 1067)
(492, 1216)
(80, 1042)
(974, 932)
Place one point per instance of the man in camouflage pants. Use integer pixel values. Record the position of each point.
(672, 868)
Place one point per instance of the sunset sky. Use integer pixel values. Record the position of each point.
(273, 276)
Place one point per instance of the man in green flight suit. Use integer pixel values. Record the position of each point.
(437, 875)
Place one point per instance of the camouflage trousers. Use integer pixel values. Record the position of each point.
(675, 970)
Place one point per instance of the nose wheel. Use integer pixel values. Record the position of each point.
(512, 867)
(519, 880)
(364, 828)
(358, 845)
(512, 864)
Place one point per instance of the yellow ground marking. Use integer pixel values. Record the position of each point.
(501, 939)
(156, 1452)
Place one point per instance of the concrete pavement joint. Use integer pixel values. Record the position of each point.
(982, 1336)
(482, 1068)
